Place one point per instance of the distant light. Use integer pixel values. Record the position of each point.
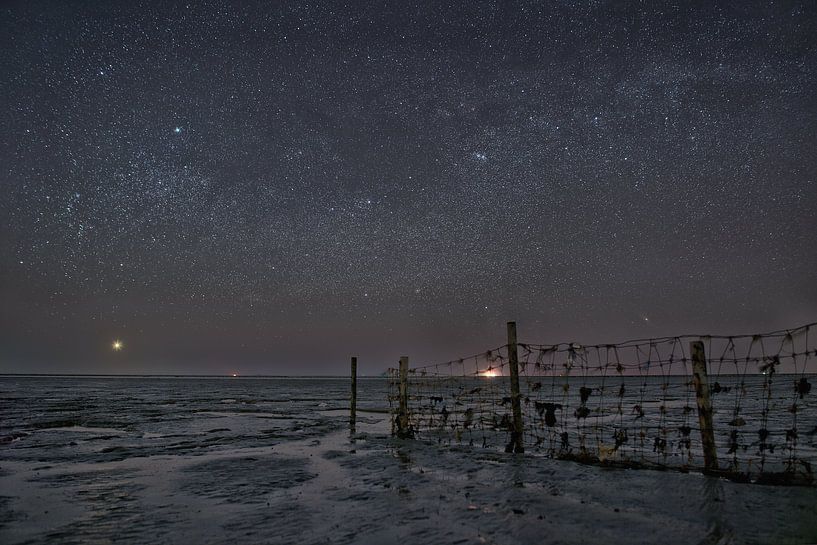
(177, 130)
(117, 345)
(235, 374)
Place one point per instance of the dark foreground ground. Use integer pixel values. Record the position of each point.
(214, 461)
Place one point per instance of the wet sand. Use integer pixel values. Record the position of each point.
(268, 471)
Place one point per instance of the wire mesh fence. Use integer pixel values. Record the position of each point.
(633, 404)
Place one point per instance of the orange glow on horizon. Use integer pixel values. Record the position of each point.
(490, 372)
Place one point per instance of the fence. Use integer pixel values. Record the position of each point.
(736, 406)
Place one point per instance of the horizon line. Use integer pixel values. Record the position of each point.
(177, 375)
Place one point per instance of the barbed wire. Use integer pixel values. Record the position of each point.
(633, 403)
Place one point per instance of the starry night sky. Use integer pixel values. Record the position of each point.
(271, 187)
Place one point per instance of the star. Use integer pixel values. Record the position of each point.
(414, 169)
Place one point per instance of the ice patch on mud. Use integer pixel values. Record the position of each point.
(87, 429)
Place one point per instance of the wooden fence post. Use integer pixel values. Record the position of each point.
(516, 444)
(353, 403)
(403, 426)
(701, 382)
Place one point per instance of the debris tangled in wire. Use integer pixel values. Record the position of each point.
(633, 404)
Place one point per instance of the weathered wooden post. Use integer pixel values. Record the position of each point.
(516, 444)
(353, 402)
(701, 382)
(403, 426)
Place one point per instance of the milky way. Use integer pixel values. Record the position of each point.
(273, 187)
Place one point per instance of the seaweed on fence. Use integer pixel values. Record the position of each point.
(636, 404)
